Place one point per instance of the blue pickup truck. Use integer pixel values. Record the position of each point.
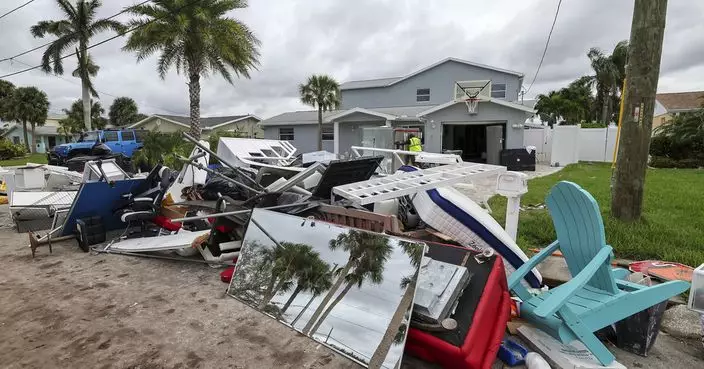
(120, 141)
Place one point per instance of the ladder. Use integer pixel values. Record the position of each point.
(408, 183)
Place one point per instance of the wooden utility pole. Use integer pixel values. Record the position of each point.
(642, 72)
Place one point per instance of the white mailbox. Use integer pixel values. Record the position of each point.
(512, 184)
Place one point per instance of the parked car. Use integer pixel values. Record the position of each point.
(120, 141)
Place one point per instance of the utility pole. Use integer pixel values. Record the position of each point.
(642, 72)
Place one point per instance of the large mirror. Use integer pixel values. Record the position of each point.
(349, 289)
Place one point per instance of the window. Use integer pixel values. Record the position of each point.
(498, 90)
(472, 87)
(127, 136)
(286, 134)
(140, 135)
(423, 94)
(328, 133)
(110, 136)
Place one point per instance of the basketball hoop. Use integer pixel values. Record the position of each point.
(472, 104)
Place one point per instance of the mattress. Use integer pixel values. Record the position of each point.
(457, 216)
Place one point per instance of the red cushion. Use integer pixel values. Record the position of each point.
(484, 337)
(166, 223)
(226, 275)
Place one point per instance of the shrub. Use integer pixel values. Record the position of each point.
(162, 148)
(9, 150)
(661, 145)
(662, 162)
(593, 125)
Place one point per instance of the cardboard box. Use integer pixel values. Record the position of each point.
(174, 211)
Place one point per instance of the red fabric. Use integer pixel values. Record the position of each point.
(484, 338)
(166, 223)
(226, 275)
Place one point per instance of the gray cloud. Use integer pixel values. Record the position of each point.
(369, 39)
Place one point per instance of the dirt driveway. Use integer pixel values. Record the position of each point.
(74, 310)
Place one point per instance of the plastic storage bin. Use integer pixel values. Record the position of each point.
(696, 292)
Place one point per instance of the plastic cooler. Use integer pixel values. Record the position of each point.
(696, 292)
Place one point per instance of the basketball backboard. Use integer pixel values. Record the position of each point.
(471, 92)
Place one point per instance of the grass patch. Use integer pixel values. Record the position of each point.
(672, 226)
(33, 158)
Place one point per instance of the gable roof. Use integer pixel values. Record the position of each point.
(207, 123)
(681, 101)
(397, 113)
(39, 130)
(384, 82)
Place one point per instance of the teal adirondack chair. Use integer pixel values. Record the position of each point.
(596, 296)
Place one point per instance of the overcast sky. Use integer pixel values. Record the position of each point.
(369, 39)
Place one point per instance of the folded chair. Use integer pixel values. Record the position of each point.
(595, 297)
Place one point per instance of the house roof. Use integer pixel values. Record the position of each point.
(39, 130)
(398, 113)
(681, 101)
(384, 82)
(207, 123)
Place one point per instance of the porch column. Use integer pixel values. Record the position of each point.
(336, 137)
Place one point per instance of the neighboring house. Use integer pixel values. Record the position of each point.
(47, 135)
(667, 105)
(428, 99)
(247, 124)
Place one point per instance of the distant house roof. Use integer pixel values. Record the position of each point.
(39, 130)
(383, 82)
(206, 123)
(681, 101)
(398, 113)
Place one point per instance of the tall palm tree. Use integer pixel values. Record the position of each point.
(286, 260)
(197, 38)
(75, 32)
(609, 72)
(369, 266)
(408, 285)
(317, 288)
(308, 277)
(29, 105)
(321, 92)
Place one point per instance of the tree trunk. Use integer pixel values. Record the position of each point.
(644, 53)
(26, 139)
(34, 139)
(194, 95)
(290, 300)
(387, 341)
(293, 323)
(327, 298)
(320, 128)
(85, 90)
(329, 309)
(606, 95)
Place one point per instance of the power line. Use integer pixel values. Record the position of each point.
(103, 92)
(50, 42)
(99, 43)
(16, 9)
(547, 43)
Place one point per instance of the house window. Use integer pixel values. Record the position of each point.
(498, 90)
(16, 140)
(127, 136)
(110, 136)
(328, 133)
(423, 94)
(286, 134)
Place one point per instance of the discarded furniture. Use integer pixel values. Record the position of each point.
(482, 311)
(359, 219)
(189, 175)
(593, 298)
(251, 152)
(143, 207)
(89, 231)
(96, 170)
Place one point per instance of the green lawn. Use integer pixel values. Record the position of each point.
(672, 227)
(34, 158)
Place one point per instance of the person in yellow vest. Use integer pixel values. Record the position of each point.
(415, 145)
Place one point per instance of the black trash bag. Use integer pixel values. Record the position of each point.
(100, 149)
(217, 184)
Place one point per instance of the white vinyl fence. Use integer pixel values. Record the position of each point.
(565, 145)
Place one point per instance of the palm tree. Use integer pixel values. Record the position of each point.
(321, 92)
(197, 38)
(123, 111)
(609, 72)
(75, 117)
(317, 288)
(75, 31)
(29, 105)
(6, 90)
(312, 275)
(368, 266)
(396, 326)
(286, 260)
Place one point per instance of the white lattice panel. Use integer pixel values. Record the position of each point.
(401, 184)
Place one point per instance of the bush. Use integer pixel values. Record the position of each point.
(665, 162)
(661, 145)
(9, 150)
(162, 148)
(593, 125)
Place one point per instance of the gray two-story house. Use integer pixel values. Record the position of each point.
(431, 100)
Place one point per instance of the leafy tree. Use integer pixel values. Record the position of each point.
(75, 31)
(682, 138)
(368, 255)
(321, 92)
(162, 148)
(29, 105)
(6, 90)
(123, 112)
(197, 38)
(312, 276)
(609, 72)
(288, 260)
(74, 123)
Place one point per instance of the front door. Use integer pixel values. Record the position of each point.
(52, 142)
(494, 144)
